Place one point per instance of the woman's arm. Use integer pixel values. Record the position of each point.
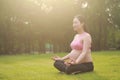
(86, 46)
(59, 58)
(65, 57)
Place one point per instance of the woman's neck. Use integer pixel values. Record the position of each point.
(80, 31)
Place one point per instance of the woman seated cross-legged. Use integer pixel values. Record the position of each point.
(79, 59)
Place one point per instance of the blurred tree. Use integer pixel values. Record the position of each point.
(27, 25)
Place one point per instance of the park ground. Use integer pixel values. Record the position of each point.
(40, 67)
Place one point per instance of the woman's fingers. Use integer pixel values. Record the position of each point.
(72, 62)
(56, 58)
(67, 64)
(53, 58)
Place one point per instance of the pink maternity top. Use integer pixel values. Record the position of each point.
(77, 46)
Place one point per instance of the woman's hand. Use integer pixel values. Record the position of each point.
(56, 58)
(72, 61)
(68, 63)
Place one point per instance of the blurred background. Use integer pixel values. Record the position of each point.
(45, 26)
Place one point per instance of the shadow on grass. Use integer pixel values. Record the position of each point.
(85, 76)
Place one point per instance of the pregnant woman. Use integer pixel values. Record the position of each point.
(79, 59)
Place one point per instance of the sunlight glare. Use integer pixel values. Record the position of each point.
(84, 4)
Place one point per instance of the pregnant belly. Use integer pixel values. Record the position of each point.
(74, 54)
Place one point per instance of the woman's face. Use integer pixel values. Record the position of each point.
(76, 24)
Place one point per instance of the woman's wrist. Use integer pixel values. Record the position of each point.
(76, 62)
(63, 58)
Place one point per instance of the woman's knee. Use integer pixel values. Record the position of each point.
(60, 65)
(57, 63)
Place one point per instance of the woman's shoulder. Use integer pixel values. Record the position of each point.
(87, 34)
(87, 37)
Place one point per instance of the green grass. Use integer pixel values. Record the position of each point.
(40, 67)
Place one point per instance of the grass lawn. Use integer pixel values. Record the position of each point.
(40, 67)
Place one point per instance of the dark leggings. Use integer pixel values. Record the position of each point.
(77, 68)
